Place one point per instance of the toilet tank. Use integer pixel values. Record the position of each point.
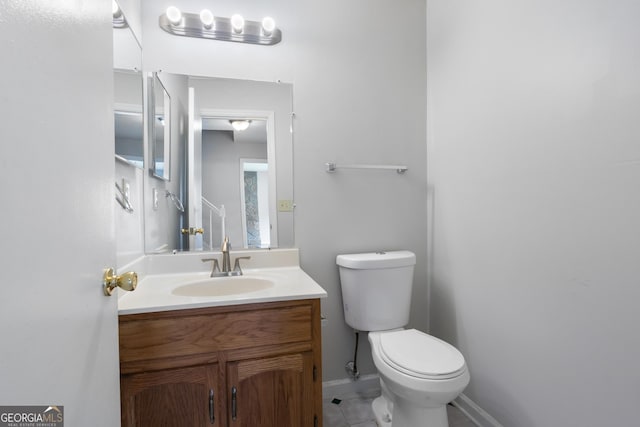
(376, 289)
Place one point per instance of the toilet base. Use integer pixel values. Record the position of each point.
(381, 412)
(406, 414)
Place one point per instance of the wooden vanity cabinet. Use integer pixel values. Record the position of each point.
(235, 366)
(272, 391)
(170, 397)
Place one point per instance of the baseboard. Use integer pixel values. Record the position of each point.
(346, 388)
(475, 413)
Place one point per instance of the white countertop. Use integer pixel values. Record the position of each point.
(154, 291)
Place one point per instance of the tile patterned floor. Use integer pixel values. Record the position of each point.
(355, 411)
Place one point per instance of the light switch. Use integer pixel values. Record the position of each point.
(285, 206)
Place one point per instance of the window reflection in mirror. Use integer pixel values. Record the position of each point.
(160, 130)
(255, 203)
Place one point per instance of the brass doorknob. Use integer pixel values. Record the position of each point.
(126, 281)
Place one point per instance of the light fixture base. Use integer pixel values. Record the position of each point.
(221, 29)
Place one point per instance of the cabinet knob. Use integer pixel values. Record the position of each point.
(234, 403)
(212, 415)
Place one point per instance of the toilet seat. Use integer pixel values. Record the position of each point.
(420, 355)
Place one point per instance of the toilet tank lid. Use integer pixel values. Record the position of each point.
(373, 260)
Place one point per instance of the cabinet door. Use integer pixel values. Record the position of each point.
(172, 398)
(271, 392)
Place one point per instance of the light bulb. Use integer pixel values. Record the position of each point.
(207, 18)
(174, 15)
(237, 23)
(115, 9)
(240, 125)
(268, 25)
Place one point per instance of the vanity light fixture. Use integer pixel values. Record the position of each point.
(240, 125)
(206, 25)
(118, 16)
(115, 9)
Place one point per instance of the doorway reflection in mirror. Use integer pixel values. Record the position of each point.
(235, 173)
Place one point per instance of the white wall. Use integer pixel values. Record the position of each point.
(533, 148)
(132, 12)
(359, 97)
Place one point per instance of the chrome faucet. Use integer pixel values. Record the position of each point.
(226, 262)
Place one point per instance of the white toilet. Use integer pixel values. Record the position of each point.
(419, 374)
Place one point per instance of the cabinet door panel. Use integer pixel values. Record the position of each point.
(171, 398)
(272, 392)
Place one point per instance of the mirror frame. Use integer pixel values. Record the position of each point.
(159, 90)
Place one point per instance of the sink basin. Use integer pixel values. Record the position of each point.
(220, 286)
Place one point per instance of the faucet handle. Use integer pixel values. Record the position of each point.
(237, 271)
(215, 268)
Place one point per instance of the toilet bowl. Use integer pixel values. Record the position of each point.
(420, 373)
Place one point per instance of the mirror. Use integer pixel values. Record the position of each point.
(160, 130)
(231, 181)
(128, 96)
(241, 174)
(128, 118)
